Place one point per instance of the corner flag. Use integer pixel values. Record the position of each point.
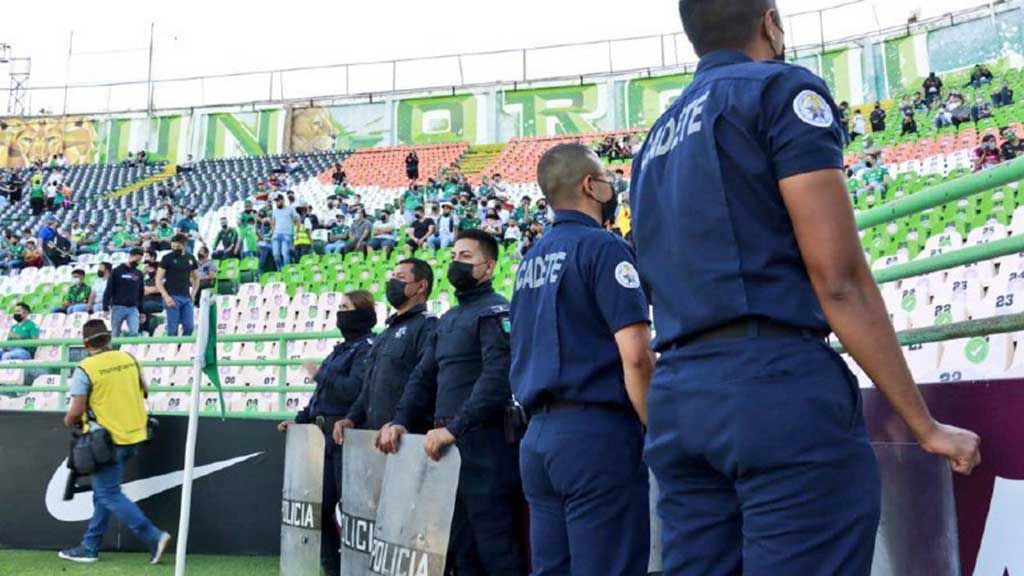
(208, 349)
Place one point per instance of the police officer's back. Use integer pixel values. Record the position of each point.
(462, 383)
(396, 351)
(580, 366)
(746, 240)
(338, 382)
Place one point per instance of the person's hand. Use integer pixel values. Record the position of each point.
(168, 301)
(283, 426)
(390, 437)
(339, 430)
(311, 368)
(961, 447)
(437, 440)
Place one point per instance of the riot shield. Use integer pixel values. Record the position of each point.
(301, 499)
(414, 516)
(362, 480)
(917, 535)
(654, 562)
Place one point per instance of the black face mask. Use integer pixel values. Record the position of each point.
(356, 323)
(609, 207)
(395, 291)
(460, 276)
(18, 317)
(133, 263)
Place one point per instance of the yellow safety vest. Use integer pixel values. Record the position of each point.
(622, 222)
(116, 396)
(301, 235)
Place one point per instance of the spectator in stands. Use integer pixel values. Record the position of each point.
(471, 219)
(188, 226)
(14, 253)
(423, 229)
(411, 200)
(207, 272)
(383, 235)
(605, 147)
(152, 301)
(361, 231)
(860, 126)
(338, 236)
(512, 234)
(446, 226)
(32, 256)
(283, 219)
(99, 287)
(909, 124)
(932, 86)
(980, 76)
(17, 183)
(906, 105)
(37, 195)
(485, 187)
(492, 224)
(541, 215)
(920, 106)
(878, 116)
(412, 166)
(177, 277)
(47, 230)
(124, 294)
(619, 182)
(23, 329)
(226, 244)
(981, 109)
(1012, 147)
(57, 249)
(499, 187)
(338, 177)
(142, 158)
(958, 109)
(164, 233)
(293, 165)
(76, 299)
(986, 155)
(1003, 96)
(186, 167)
(307, 223)
(248, 237)
(875, 176)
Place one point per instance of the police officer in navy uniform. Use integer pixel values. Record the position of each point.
(463, 384)
(396, 351)
(338, 382)
(746, 241)
(581, 365)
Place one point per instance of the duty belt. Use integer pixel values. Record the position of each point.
(326, 423)
(558, 405)
(745, 328)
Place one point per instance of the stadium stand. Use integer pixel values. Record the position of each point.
(304, 295)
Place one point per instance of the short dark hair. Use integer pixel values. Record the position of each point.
(78, 272)
(488, 245)
(95, 333)
(721, 24)
(179, 239)
(421, 271)
(25, 306)
(106, 266)
(562, 168)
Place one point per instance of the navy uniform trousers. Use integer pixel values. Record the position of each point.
(762, 460)
(587, 487)
(330, 537)
(488, 503)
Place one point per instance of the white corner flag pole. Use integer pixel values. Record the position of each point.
(202, 335)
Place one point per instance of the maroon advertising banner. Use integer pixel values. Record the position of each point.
(990, 502)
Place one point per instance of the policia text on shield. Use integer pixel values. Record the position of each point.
(746, 242)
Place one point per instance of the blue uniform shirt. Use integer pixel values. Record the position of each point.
(713, 237)
(577, 287)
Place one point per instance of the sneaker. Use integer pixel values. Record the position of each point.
(161, 545)
(79, 554)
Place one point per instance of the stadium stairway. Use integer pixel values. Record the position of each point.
(168, 171)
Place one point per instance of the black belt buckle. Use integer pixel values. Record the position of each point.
(319, 421)
(515, 422)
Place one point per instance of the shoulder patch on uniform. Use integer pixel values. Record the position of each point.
(813, 109)
(627, 276)
(500, 309)
(506, 324)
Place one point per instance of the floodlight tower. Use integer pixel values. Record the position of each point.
(19, 70)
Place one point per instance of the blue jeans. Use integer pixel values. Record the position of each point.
(335, 247)
(121, 314)
(76, 308)
(282, 249)
(439, 242)
(107, 498)
(182, 313)
(15, 354)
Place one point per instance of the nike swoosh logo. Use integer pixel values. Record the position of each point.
(80, 507)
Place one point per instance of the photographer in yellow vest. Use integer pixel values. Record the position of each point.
(107, 391)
